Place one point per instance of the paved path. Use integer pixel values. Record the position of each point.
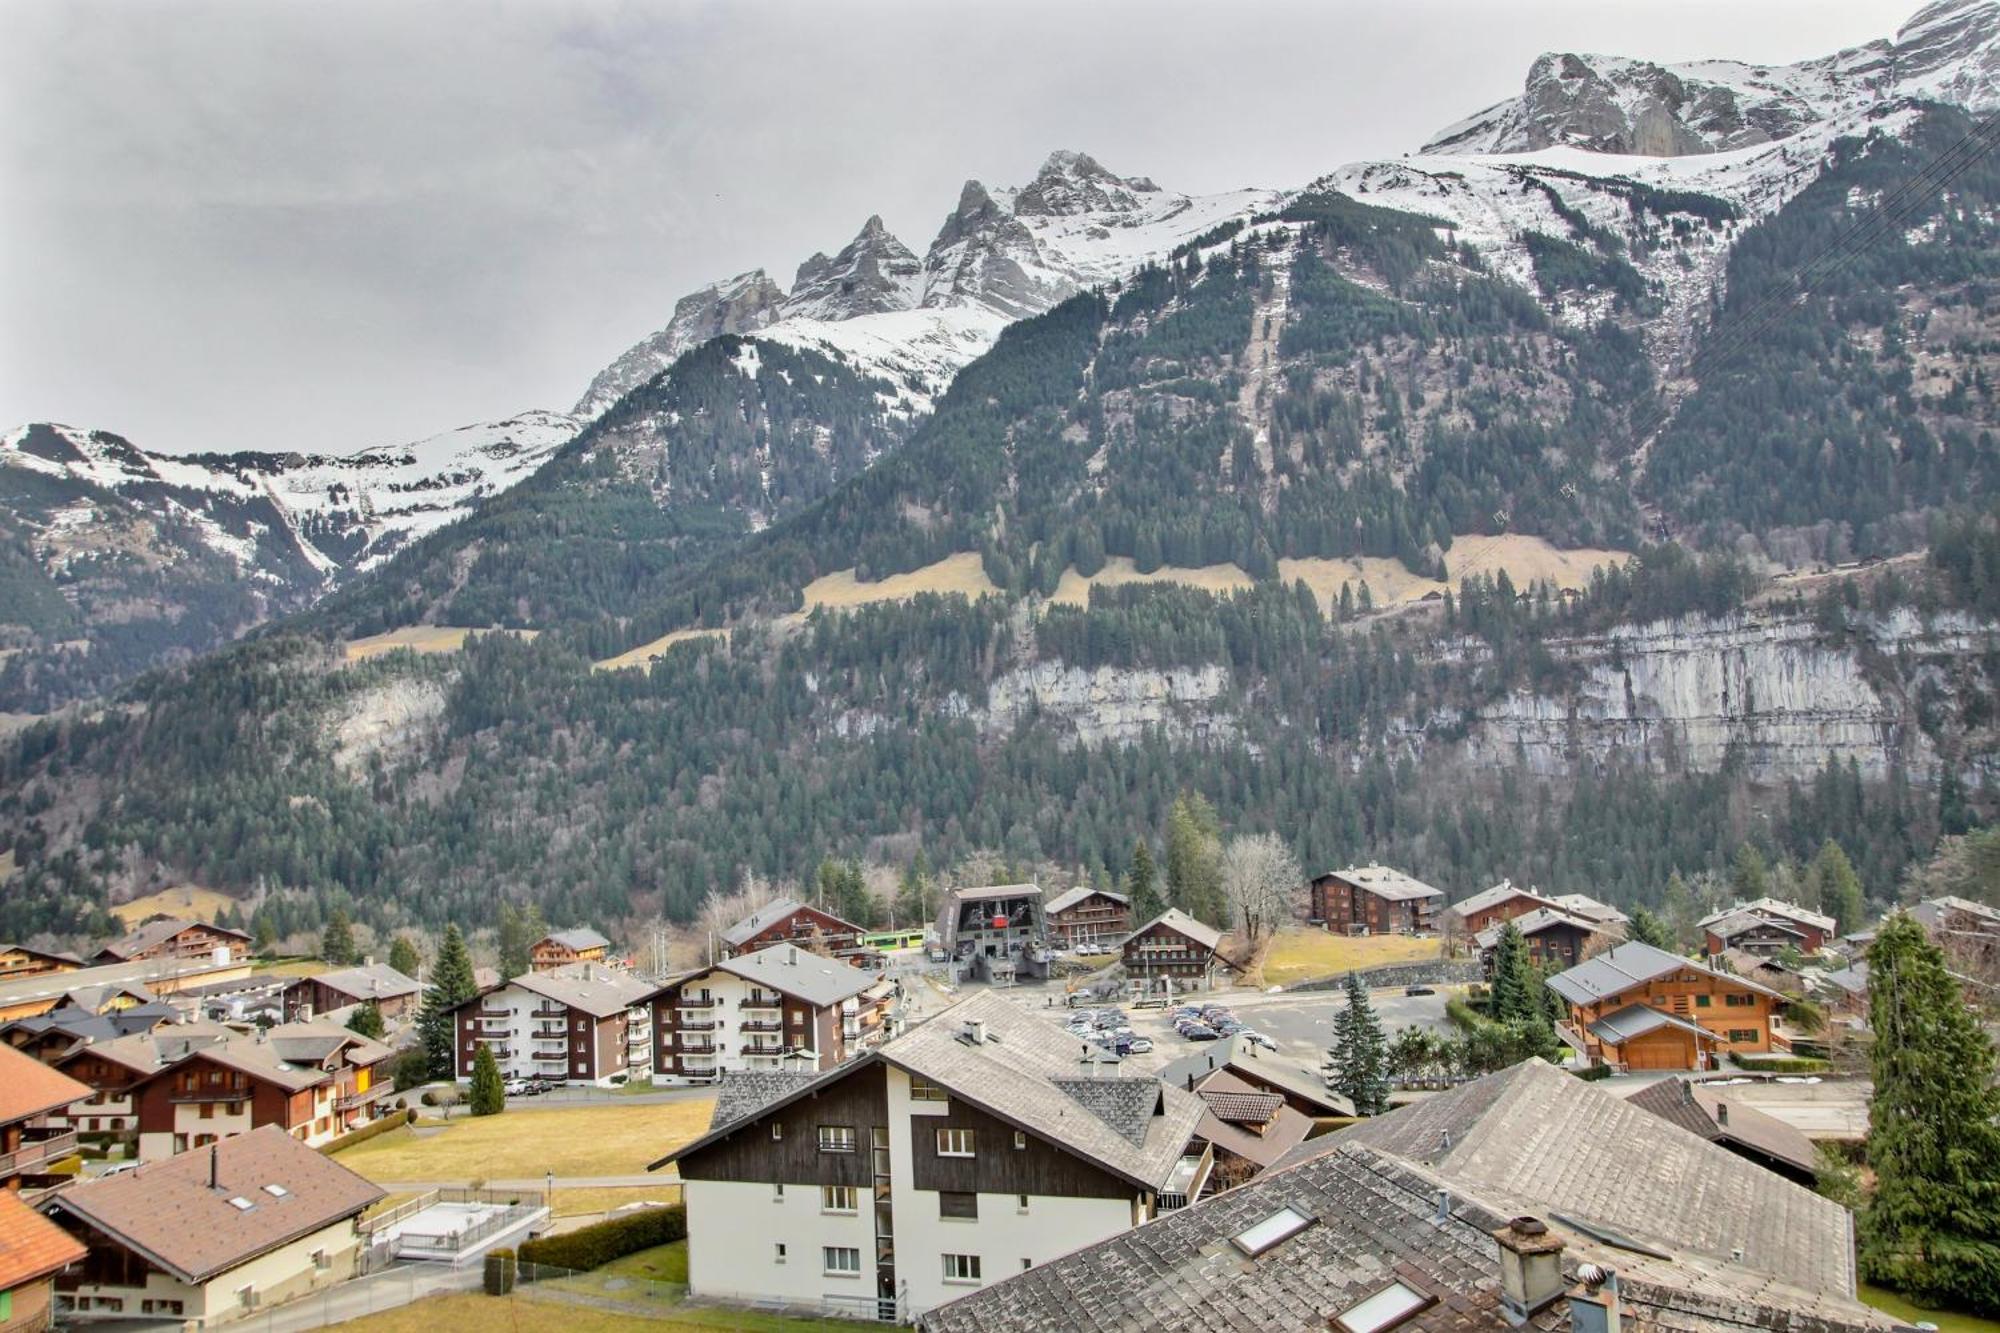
(536, 1182)
(387, 1290)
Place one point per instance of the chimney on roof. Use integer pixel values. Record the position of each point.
(975, 1031)
(1593, 1302)
(367, 960)
(1530, 1267)
(1722, 1114)
(214, 1169)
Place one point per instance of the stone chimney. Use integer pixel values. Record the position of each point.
(1722, 1114)
(1593, 1302)
(1530, 1267)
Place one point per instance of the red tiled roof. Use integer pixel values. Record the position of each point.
(29, 1088)
(31, 1246)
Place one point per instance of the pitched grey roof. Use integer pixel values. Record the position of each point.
(1069, 898)
(1853, 979)
(1773, 907)
(1386, 883)
(1534, 923)
(1731, 924)
(1174, 919)
(1632, 964)
(1494, 896)
(597, 990)
(1933, 912)
(1583, 905)
(800, 973)
(1372, 1219)
(762, 919)
(1636, 1020)
(744, 1092)
(996, 891)
(1699, 1109)
(1296, 1081)
(369, 981)
(578, 938)
(154, 933)
(1536, 1139)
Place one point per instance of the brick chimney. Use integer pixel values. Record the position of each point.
(1530, 1267)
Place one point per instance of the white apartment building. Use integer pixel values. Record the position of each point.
(953, 1156)
(581, 1023)
(778, 1008)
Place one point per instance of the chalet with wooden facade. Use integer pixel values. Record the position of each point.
(1766, 926)
(1173, 944)
(18, 960)
(778, 1008)
(584, 1023)
(32, 1251)
(564, 947)
(1587, 907)
(34, 1131)
(1374, 900)
(314, 1081)
(396, 995)
(1489, 907)
(968, 1149)
(111, 985)
(1247, 1127)
(1636, 1007)
(113, 1066)
(789, 921)
(1088, 920)
(193, 940)
(1552, 936)
(209, 1237)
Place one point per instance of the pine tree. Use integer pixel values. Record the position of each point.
(1142, 886)
(1748, 877)
(367, 1020)
(489, 1092)
(1649, 929)
(1836, 888)
(336, 942)
(1512, 1000)
(403, 956)
(914, 902)
(1933, 1227)
(1194, 860)
(1360, 1054)
(518, 932)
(451, 982)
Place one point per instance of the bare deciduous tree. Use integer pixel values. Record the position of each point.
(1260, 879)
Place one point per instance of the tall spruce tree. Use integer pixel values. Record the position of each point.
(1649, 929)
(451, 982)
(1360, 1054)
(1836, 889)
(1194, 860)
(488, 1095)
(1142, 885)
(367, 1020)
(403, 956)
(1512, 998)
(1932, 1229)
(336, 941)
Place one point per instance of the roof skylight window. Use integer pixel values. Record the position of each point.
(1279, 1226)
(1384, 1310)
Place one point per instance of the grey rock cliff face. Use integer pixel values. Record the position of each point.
(875, 272)
(985, 254)
(742, 304)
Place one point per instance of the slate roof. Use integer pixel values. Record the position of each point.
(1697, 1108)
(800, 973)
(1534, 1139)
(370, 981)
(1731, 924)
(1257, 1126)
(1853, 979)
(155, 933)
(319, 1040)
(1583, 905)
(106, 1026)
(166, 1211)
(1238, 1107)
(1135, 1128)
(1534, 923)
(1776, 907)
(744, 1092)
(577, 939)
(597, 990)
(1932, 912)
(1386, 883)
(1632, 963)
(1505, 890)
(96, 998)
(29, 1088)
(1174, 919)
(1069, 898)
(763, 918)
(31, 1246)
(1296, 1082)
(1636, 1020)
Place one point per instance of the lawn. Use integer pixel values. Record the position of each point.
(1306, 955)
(473, 1313)
(603, 1139)
(602, 1199)
(1889, 1303)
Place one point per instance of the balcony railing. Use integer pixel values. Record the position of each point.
(760, 1025)
(491, 1013)
(550, 1030)
(703, 1048)
(351, 1100)
(211, 1095)
(550, 1011)
(1184, 1186)
(762, 1002)
(697, 1002)
(39, 1144)
(552, 1057)
(698, 1027)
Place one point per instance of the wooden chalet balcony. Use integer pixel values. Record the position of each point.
(491, 1014)
(697, 1048)
(550, 1011)
(40, 1145)
(349, 1099)
(210, 1095)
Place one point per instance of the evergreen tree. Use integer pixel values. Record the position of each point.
(367, 1020)
(1512, 999)
(451, 982)
(336, 941)
(915, 901)
(403, 956)
(1194, 860)
(519, 931)
(1649, 929)
(489, 1092)
(1836, 889)
(1360, 1055)
(843, 891)
(264, 934)
(1933, 1227)
(1142, 886)
(1749, 879)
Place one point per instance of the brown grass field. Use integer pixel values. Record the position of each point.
(1305, 954)
(419, 638)
(591, 1140)
(189, 902)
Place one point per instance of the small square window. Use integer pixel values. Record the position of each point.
(780, 1256)
(1022, 1205)
(1020, 1140)
(777, 1130)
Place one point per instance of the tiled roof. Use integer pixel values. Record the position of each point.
(370, 981)
(1233, 1123)
(1632, 964)
(31, 1246)
(772, 912)
(1702, 1109)
(1534, 923)
(597, 990)
(800, 973)
(1933, 912)
(1386, 883)
(1731, 924)
(1296, 1082)
(1174, 919)
(1636, 1020)
(1583, 905)
(167, 1211)
(1504, 891)
(1069, 898)
(155, 933)
(1773, 907)
(1536, 1139)
(29, 1088)
(318, 1040)
(744, 1092)
(577, 939)
(1239, 1107)
(1853, 979)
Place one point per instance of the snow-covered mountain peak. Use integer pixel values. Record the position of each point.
(874, 272)
(1071, 183)
(742, 304)
(1949, 51)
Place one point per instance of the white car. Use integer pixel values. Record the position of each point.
(1256, 1038)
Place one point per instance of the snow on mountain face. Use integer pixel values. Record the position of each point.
(1949, 51)
(1001, 255)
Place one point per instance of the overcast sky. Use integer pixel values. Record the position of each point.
(326, 226)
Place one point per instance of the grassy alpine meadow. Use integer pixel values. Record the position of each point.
(598, 1139)
(1305, 954)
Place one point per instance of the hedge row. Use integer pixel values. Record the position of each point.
(1592, 1073)
(597, 1245)
(1780, 1064)
(368, 1131)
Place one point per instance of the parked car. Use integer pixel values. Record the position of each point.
(1138, 1046)
(1419, 990)
(1256, 1038)
(514, 1087)
(1200, 1032)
